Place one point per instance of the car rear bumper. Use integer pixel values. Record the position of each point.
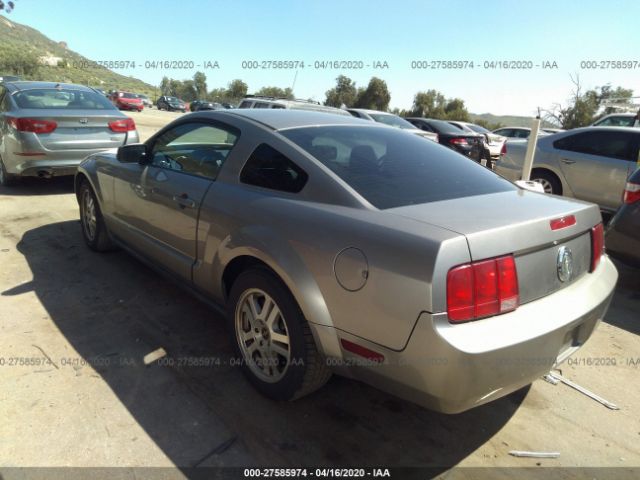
(452, 368)
(53, 162)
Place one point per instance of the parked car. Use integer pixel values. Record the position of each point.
(9, 78)
(126, 101)
(392, 120)
(589, 163)
(493, 143)
(256, 101)
(466, 143)
(197, 105)
(46, 128)
(517, 132)
(551, 131)
(623, 231)
(171, 104)
(146, 101)
(617, 120)
(335, 242)
(100, 91)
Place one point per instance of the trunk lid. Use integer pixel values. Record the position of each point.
(79, 129)
(518, 222)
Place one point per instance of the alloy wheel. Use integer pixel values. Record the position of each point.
(262, 334)
(89, 220)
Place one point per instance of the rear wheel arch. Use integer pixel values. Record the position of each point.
(549, 175)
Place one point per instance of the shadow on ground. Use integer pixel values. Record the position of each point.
(29, 186)
(112, 308)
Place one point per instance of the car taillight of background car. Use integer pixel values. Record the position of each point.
(631, 193)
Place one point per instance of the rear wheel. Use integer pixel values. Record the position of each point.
(6, 179)
(272, 338)
(94, 230)
(549, 181)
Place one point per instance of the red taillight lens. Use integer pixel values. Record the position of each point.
(33, 125)
(458, 141)
(124, 125)
(631, 192)
(482, 289)
(503, 150)
(597, 245)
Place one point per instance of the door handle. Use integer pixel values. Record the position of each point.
(567, 161)
(184, 201)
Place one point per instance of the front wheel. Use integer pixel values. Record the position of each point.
(94, 230)
(272, 338)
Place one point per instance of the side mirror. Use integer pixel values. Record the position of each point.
(134, 153)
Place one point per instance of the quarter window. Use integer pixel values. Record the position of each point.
(268, 168)
(194, 148)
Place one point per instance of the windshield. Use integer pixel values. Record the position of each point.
(54, 98)
(391, 168)
(444, 127)
(127, 95)
(173, 100)
(392, 120)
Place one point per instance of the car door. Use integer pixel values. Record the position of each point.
(159, 202)
(596, 165)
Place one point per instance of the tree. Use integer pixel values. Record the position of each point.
(455, 110)
(429, 104)
(200, 84)
(165, 86)
(17, 62)
(186, 90)
(276, 92)
(237, 89)
(344, 93)
(376, 96)
(582, 108)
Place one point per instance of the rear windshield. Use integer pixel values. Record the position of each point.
(53, 98)
(392, 120)
(391, 168)
(127, 95)
(444, 127)
(477, 128)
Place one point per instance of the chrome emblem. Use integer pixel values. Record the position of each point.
(565, 264)
(84, 120)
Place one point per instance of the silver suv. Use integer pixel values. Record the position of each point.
(256, 101)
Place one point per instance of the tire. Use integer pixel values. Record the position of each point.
(290, 371)
(6, 178)
(94, 231)
(549, 181)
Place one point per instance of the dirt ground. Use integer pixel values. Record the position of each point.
(95, 317)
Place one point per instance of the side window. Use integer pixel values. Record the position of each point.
(425, 127)
(261, 105)
(605, 144)
(522, 133)
(245, 104)
(194, 148)
(505, 132)
(268, 168)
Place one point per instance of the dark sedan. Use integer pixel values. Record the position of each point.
(198, 105)
(468, 144)
(623, 234)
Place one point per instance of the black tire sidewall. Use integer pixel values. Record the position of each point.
(93, 244)
(263, 279)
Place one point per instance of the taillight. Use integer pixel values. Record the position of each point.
(32, 125)
(631, 192)
(503, 150)
(458, 141)
(597, 245)
(482, 289)
(124, 125)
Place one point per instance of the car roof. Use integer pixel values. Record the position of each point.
(519, 128)
(281, 119)
(17, 86)
(621, 114)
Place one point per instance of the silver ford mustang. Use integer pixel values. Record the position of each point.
(339, 245)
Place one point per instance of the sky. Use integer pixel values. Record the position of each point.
(366, 33)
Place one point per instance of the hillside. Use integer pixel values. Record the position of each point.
(25, 51)
(507, 120)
